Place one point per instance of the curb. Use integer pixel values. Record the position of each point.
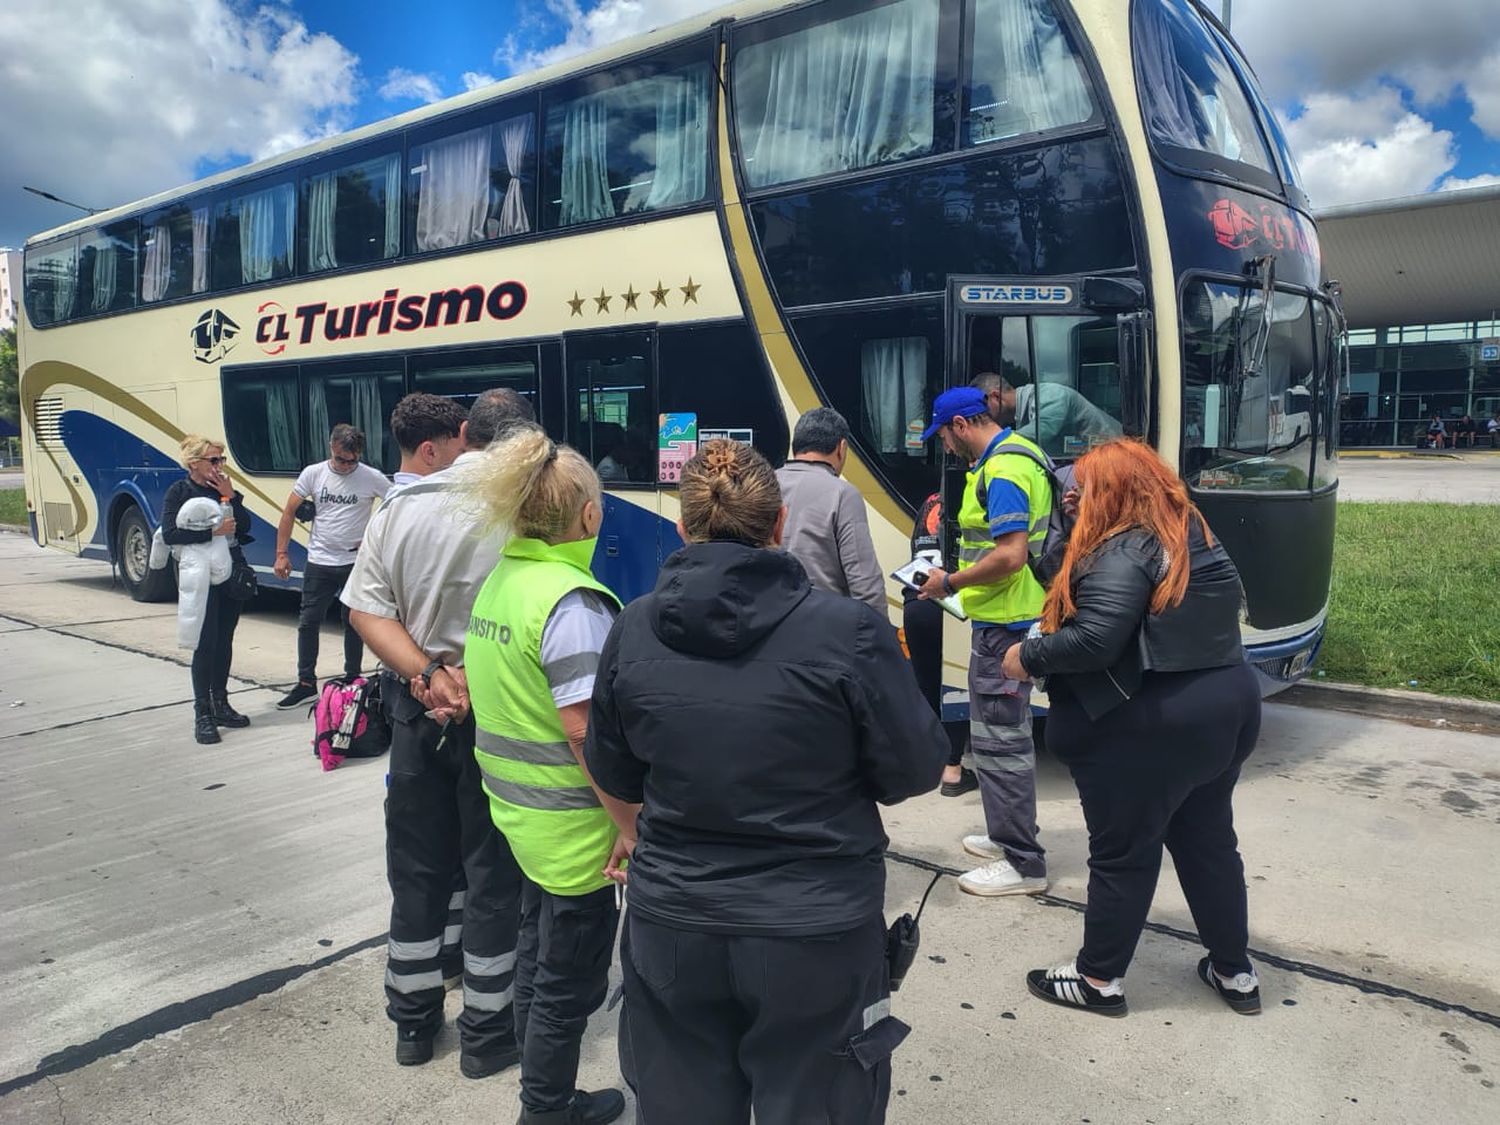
(1416, 708)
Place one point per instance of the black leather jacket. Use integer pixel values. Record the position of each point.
(1100, 656)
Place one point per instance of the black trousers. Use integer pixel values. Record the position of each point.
(562, 975)
(215, 651)
(1160, 770)
(437, 823)
(321, 586)
(923, 624)
(797, 1029)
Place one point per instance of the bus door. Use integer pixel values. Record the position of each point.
(1074, 355)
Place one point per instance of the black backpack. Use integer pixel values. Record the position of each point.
(1045, 561)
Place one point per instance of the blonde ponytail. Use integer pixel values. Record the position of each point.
(528, 483)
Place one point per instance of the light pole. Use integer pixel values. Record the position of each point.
(56, 199)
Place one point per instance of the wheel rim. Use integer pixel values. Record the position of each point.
(134, 553)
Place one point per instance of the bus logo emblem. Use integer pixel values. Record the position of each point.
(1017, 295)
(213, 336)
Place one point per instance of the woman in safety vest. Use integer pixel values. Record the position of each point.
(533, 645)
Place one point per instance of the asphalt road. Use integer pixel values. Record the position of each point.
(195, 935)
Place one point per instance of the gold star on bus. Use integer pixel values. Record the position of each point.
(602, 301)
(690, 291)
(631, 297)
(660, 294)
(576, 304)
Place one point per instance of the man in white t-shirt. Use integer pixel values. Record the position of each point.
(343, 493)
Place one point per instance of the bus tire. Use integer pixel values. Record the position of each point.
(132, 550)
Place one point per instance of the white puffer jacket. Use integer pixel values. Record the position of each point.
(199, 565)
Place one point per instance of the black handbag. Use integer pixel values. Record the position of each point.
(241, 584)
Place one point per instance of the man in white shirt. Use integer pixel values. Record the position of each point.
(410, 594)
(343, 493)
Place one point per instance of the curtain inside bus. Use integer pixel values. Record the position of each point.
(1024, 77)
(841, 95)
(281, 413)
(453, 202)
(267, 220)
(515, 140)
(681, 174)
(893, 377)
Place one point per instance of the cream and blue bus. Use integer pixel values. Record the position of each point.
(764, 209)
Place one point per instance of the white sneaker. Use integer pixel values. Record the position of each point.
(1000, 878)
(983, 847)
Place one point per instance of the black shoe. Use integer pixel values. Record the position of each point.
(205, 732)
(1065, 985)
(1242, 994)
(414, 1047)
(597, 1108)
(224, 714)
(966, 783)
(299, 694)
(482, 1066)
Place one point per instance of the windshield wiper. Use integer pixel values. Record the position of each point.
(1252, 361)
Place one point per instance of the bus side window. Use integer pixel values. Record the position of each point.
(362, 392)
(262, 420)
(717, 372)
(612, 415)
(463, 375)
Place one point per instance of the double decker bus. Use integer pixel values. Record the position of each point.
(768, 208)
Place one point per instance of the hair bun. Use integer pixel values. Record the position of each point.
(721, 460)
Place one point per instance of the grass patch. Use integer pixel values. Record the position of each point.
(1415, 598)
(13, 506)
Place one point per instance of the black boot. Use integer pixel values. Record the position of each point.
(204, 730)
(597, 1108)
(225, 715)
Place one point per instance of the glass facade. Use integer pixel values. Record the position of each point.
(1400, 377)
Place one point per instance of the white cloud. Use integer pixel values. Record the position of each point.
(404, 85)
(105, 101)
(1484, 179)
(1353, 148)
(474, 80)
(606, 23)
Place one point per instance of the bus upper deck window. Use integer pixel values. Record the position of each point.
(1192, 96)
(1025, 76)
(839, 95)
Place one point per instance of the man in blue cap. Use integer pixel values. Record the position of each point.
(1002, 519)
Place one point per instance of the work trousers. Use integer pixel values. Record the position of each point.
(215, 651)
(1002, 751)
(562, 975)
(798, 1030)
(922, 622)
(321, 586)
(437, 822)
(1160, 769)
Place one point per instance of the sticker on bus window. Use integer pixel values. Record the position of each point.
(743, 434)
(677, 441)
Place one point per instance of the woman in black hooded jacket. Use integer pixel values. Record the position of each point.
(761, 723)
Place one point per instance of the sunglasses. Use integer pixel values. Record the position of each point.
(214, 460)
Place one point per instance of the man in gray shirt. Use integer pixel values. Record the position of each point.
(826, 527)
(419, 569)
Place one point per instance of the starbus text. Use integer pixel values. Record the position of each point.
(392, 312)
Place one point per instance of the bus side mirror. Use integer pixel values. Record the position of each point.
(1137, 373)
(1113, 294)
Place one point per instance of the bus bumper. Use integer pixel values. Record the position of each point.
(1280, 664)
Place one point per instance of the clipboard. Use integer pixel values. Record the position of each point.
(914, 573)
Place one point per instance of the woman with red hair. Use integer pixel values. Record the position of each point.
(1153, 710)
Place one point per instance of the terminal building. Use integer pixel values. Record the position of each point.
(1421, 291)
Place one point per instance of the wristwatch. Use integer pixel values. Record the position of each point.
(428, 672)
(948, 585)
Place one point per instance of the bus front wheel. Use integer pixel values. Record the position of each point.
(132, 552)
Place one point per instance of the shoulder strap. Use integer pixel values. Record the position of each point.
(982, 488)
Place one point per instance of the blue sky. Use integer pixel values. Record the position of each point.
(1383, 98)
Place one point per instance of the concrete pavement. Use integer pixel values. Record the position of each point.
(196, 934)
(1466, 477)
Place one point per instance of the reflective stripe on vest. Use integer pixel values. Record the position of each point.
(545, 797)
(1018, 596)
(519, 750)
